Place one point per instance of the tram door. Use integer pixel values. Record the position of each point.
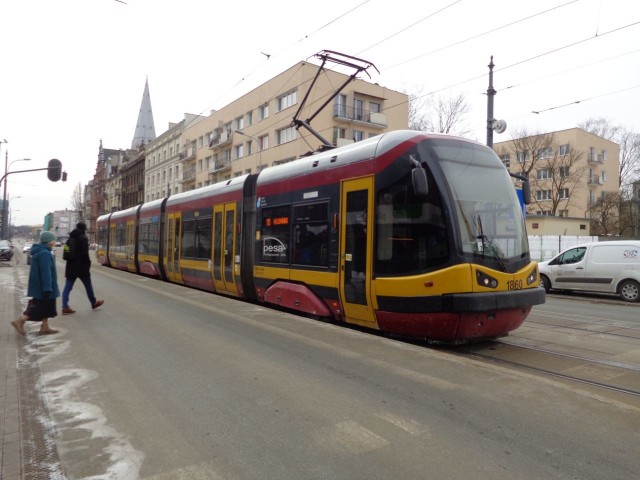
(173, 247)
(224, 248)
(356, 234)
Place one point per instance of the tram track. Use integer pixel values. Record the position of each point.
(600, 373)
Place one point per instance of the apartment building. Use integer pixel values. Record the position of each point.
(569, 171)
(256, 130)
(164, 160)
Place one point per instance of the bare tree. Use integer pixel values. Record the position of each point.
(448, 114)
(605, 218)
(77, 203)
(629, 157)
(629, 143)
(417, 116)
(601, 127)
(554, 175)
(438, 114)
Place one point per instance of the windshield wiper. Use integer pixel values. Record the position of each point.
(488, 242)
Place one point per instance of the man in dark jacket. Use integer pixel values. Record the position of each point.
(78, 267)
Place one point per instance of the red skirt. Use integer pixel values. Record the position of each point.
(38, 310)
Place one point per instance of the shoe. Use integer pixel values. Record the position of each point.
(67, 310)
(19, 326)
(97, 304)
(49, 331)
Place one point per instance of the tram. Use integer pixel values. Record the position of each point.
(411, 234)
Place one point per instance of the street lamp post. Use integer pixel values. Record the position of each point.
(5, 208)
(258, 145)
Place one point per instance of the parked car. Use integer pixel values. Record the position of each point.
(6, 250)
(27, 247)
(605, 267)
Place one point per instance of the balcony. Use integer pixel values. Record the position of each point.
(187, 154)
(344, 114)
(220, 166)
(222, 139)
(595, 158)
(595, 180)
(189, 174)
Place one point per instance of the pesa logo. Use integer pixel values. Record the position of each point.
(273, 247)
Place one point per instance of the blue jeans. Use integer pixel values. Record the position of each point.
(68, 285)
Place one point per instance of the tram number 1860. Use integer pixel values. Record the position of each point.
(514, 284)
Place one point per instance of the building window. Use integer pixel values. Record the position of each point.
(506, 160)
(543, 195)
(358, 135)
(264, 111)
(563, 193)
(286, 135)
(240, 123)
(263, 142)
(249, 118)
(375, 107)
(239, 151)
(338, 133)
(521, 157)
(543, 173)
(358, 109)
(545, 152)
(564, 150)
(564, 213)
(340, 106)
(563, 172)
(286, 100)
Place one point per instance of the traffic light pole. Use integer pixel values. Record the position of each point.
(54, 173)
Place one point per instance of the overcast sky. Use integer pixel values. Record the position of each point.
(72, 72)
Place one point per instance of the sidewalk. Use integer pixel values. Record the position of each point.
(11, 463)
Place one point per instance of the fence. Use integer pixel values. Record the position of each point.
(545, 247)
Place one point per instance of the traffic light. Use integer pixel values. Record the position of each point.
(54, 169)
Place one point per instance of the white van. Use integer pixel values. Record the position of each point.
(605, 267)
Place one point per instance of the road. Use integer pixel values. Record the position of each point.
(165, 382)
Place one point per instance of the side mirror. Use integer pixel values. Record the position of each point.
(419, 180)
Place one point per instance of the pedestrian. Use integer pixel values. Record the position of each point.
(78, 266)
(42, 287)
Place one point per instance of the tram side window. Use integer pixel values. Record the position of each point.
(203, 238)
(410, 232)
(188, 239)
(275, 234)
(311, 234)
(196, 238)
(102, 238)
(149, 238)
(120, 237)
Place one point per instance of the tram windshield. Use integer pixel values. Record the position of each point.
(486, 204)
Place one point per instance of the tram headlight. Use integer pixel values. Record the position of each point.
(485, 280)
(532, 277)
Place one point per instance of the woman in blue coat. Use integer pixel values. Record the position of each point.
(43, 287)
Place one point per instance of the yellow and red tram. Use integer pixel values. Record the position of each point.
(412, 234)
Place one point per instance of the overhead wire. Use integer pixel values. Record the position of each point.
(413, 25)
(305, 37)
(597, 35)
(520, 62)
(479, 35)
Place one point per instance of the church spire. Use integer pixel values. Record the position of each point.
(145, 130)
